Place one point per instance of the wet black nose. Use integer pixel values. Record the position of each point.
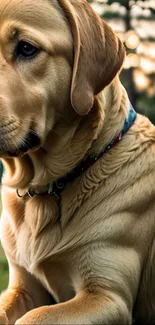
(32, 140)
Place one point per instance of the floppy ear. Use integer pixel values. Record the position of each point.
(98, 53)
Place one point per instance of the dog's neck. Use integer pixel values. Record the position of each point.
(69, 142)
(115, 103)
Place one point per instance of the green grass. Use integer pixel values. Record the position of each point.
(3, 270)
(3, 274)
(1, 252)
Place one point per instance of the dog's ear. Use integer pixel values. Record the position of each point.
(98, 53)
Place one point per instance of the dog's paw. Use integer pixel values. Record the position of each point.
(3, 318)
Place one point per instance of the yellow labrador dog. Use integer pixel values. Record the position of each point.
(78, 219)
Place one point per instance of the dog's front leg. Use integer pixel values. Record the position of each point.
(23, 294)
(14, 303)
(86, 308)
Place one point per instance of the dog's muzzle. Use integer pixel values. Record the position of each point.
(31, 141)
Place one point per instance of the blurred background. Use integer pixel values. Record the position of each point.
(134, 22)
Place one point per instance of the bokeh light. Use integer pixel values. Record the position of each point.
(141, 80)
(132, 39)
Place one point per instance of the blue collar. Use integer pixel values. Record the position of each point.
(130, 120)
(58, 186)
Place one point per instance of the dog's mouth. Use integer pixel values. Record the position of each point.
(31, 141)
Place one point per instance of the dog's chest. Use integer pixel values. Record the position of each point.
(32, 249)
(39, 257)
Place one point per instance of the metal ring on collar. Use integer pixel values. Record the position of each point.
(31, 193)
(20, 196)
(60, 185)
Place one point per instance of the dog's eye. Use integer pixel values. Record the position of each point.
(26, 50)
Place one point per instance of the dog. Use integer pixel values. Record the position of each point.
(78, 189)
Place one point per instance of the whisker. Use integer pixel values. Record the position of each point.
(64, 117)
(39, 124)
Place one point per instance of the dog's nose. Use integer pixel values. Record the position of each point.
(32, 140)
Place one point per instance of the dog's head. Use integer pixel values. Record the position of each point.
(54, 54)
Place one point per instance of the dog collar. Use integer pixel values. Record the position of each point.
(59, 185)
